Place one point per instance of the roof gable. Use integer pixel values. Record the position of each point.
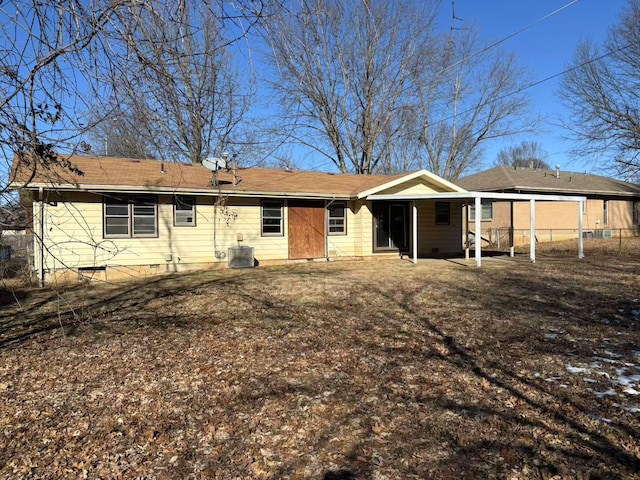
(419, 181)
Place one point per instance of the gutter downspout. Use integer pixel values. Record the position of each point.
(41, 233)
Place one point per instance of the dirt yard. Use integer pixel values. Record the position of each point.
(341, 370)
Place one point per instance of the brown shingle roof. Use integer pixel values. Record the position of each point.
(509, 179)
(105, 172)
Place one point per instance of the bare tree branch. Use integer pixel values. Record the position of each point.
(347, 72)
(602, 91)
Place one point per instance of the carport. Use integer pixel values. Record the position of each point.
(476, 198)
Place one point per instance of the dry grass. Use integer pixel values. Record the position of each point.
(383, 369)
(594, 247)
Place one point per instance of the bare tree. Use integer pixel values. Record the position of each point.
(347, 75)
(527, 154)
(602, 90)
(52, 51)
(118, 135)
(471, 100)
(176, 80)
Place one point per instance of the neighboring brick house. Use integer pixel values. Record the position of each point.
(612, 207)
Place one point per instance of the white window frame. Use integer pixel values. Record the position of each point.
(183, 217)
(272, 205)
(337, 222)
(484, 218)
(131, 202)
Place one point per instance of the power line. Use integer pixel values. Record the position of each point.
(504, 39)
(536, 83)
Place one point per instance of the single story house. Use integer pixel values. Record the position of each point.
(112, 217)
(612, 207)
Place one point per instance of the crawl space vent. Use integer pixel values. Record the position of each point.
(241, 257)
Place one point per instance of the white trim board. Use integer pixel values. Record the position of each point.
(482, 195)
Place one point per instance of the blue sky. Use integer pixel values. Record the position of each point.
(545, 49)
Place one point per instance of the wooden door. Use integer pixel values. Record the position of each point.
(306, 229)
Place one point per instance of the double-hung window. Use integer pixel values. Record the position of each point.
(487, 211)
(443, 213)
(184, 211)
(272, 218)
(337, 218)
(131, 216)
(605, 212)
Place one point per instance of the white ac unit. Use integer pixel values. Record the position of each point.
(241, 257)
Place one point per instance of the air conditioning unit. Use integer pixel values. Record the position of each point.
(241, 257)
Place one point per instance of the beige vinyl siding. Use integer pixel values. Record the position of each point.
(243, 216)
(416, 186)
(361, 228)
(73, 233)
(345, 245)
(74, 238)
(439, 239)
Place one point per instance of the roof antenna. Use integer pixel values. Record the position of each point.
(557, 171)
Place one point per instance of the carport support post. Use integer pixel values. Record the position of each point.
(532, 240)
(511, 231)
(415, 232)
(580, 239)
(478, 233)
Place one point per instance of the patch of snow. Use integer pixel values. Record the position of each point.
(611, 354)
(537, 374)
(589, 380)
(572, 369)
(551, 336)
(631, 391)
(635, 313)
(609, 393)
(627, 380)
(551, 379)
(632, 409)
(601, 419)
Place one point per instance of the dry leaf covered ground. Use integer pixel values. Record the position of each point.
(367, 370)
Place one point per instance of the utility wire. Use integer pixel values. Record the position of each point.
(536, 83)
(504, 39)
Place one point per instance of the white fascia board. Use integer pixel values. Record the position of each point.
(420, 173)
(483, 195)
(213, 191)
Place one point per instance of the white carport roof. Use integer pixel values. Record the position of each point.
(477, 198)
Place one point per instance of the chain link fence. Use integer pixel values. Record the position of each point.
(561, 239)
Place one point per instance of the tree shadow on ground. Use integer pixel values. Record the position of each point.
(73, 306)
(557, 413)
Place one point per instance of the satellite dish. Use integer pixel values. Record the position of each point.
(214, 163)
